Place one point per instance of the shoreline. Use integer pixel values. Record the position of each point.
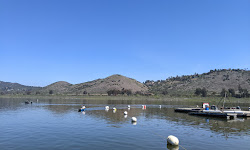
(146, 98)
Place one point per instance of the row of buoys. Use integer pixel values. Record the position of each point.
(171, 140)
(125, 113)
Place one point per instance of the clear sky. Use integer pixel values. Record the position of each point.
(44, 41)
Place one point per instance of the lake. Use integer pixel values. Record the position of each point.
(57, 124)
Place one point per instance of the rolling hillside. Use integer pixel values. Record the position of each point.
(8, 88)
(214, 81)
(99, 86)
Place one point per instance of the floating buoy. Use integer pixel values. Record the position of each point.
(159, 106)
(114, 108)
(82, 109)
(133, 119)
(107, 107)
(125, 116)
(125, 112)
(172, 140)
(144, 106)
(128, 106)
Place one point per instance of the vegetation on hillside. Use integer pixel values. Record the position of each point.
(216, 83)
(206, 84)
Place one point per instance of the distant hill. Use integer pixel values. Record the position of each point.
(8, 88)
(59, 87)
(214, 81)
(99, 86)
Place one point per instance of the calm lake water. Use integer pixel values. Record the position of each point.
(57, 124)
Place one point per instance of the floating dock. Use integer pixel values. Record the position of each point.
(222, 114)
(186, 110)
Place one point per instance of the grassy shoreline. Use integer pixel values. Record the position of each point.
(147, 98)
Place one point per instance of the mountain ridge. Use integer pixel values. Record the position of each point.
(213, 81)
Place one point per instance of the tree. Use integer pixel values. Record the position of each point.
(204, 92)
(245, 93)
(231, 92)
(28, 92)
(113, 92)
(165, 92)
(50, 91)
(240, 89)
(129, 92)
(197, 91)
(224, 93)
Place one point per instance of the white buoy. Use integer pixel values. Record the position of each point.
(107, 107)
(172, 140)
(133, 119)
(125, 116)
(159, 106)
(114, 108)
(134, 123)
(125, 112)
(128, 106)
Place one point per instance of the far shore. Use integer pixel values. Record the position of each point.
(134, 97)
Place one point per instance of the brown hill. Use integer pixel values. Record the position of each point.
(57, 87)
(99, 86)
(114, 82)
(214, 81)
(15, 88)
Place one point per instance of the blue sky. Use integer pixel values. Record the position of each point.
(44, 41)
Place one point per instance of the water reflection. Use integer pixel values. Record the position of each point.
(172, 147)
(96, 109)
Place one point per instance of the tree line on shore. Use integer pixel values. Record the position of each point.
(241, 93)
